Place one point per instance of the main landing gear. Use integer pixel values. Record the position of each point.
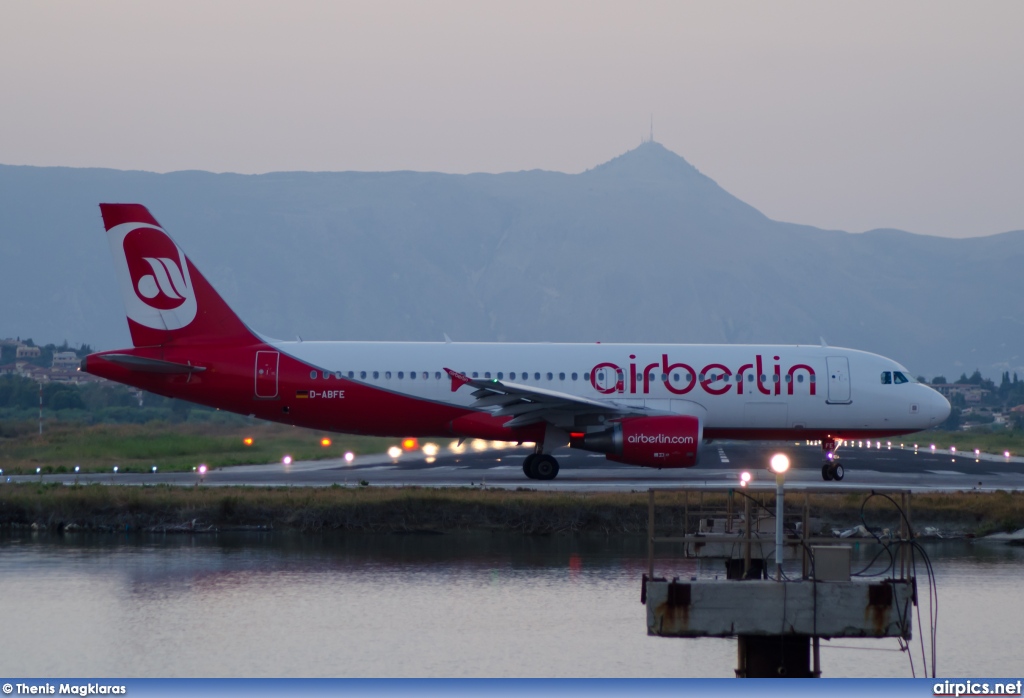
(831, 469)
(540, 466)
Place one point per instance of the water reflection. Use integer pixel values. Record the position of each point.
(473, 604)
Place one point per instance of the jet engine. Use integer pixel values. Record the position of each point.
(655, 442)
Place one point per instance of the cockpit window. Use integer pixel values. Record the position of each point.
(894, 377)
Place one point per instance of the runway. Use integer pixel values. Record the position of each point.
(880, 466)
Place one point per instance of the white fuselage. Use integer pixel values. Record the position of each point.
(735, 388)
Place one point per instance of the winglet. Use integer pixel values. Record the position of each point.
(458, 379)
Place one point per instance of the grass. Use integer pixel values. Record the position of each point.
(134, 447)
(987, 442)
(387, 509)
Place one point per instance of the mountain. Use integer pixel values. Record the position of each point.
(642, 248)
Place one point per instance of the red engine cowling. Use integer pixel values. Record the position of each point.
(654, 442)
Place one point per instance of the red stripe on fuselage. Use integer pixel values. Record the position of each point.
(334, 404)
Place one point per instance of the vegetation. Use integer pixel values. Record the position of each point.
(134, 447)
(986, 441)
(95, 403)
(981, 415)
(46, 352)
(410, 509)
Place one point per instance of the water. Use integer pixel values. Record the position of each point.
(481, 605)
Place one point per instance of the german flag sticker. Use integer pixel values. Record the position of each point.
(302, 393)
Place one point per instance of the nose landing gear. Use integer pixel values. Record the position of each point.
(831, 469)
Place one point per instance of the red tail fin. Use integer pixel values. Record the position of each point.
(166, 298)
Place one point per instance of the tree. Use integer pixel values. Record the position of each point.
(939, 380)
(952, 422)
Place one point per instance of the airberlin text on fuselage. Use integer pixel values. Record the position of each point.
(715, 378)
(659, 439)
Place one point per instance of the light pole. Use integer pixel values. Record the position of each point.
(779, 465)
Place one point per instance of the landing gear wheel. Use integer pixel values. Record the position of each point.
(528, 466)
(837, 472)
(545, 467)
(826, 472)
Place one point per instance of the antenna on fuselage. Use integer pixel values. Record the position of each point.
(447, 339)
(823, 342)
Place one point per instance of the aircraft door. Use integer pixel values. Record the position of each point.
(266, 373)
(609, 379)
(838, 380)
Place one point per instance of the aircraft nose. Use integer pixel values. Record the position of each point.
(938, 407)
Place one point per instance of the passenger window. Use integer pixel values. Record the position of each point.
(387, 375)
(412, 375)
(437, 375)
(362, 374)
(561, 376)
(898, 377)
(401, 375)
(799, 378)
(500, 375)
(789, 378)
(536, 376)
(475, 374)
(574, 376)
(775, 378)
(675, 377)
(351, 374)
(700, 377)
(512, 375)
(376, 375)
(487, 374)
(586, 375)
(312, 374)
(750, 377)
(886, 377)
(551, 376)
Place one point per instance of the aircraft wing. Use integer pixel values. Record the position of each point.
(527, 404)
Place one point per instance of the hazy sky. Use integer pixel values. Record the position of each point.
(850, 115)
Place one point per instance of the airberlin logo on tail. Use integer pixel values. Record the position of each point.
(161, 294)
(165, 287)
(157, 274)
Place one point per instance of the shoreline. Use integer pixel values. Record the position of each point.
(190, 510)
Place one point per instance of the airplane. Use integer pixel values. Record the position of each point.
(649, 405)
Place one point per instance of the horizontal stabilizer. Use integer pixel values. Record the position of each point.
(140, 363)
